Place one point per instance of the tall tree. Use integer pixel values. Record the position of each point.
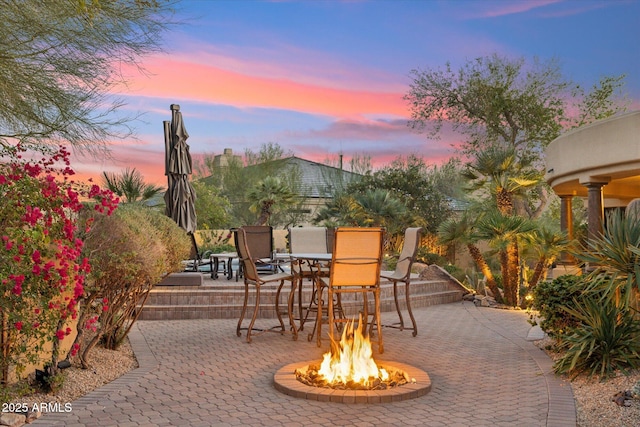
(508, 111)
(212, 208)
(408, 179)
(60, 61)
(492, 99)
(237, 179)
(498, 100)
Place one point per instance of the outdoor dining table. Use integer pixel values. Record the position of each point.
(227, 258)
(311, 259)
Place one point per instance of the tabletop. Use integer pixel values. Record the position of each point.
(305, 255)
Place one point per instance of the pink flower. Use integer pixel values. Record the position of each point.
(60, 335)
(18, 325)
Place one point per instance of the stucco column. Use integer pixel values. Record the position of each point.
(566, 224)
(595, 210)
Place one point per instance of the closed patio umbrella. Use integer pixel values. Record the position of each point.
(180, 196)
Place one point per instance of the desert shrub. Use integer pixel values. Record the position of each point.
(429, 258)
(550, 297)
(130, 252)
(606, 338)
(216, 241)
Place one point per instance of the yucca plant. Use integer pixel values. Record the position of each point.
(605, 341)
(616, 254)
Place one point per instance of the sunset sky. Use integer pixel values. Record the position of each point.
(321, 78)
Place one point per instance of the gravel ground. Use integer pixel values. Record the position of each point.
(106, 366)
(595, 406)
(593, 397)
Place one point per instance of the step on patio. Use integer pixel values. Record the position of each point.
(222, 299)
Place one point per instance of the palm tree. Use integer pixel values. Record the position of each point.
(506, 177)
(382, 209)
(503, 233)
(342, 209)
(547, 245)
(266, 194)
(129, 185)
(461, 231)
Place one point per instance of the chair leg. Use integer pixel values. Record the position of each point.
(278, 306)
(330, 316)
(292, 323)
(413, 320)
(315, 297)
(302, 319)
(312, 302)
(318, 326)
(244, 309)
(255, 314)
(395, 299)
(376, 296)
(366, 328)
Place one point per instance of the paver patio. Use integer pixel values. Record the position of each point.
(198, 373)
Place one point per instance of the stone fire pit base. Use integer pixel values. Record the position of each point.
(285, 382)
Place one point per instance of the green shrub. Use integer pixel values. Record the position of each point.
(130, 252)
(429, 258)
(548, 299)
(605, 340)
(456, 272)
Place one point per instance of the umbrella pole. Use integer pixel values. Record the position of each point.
(167, 145)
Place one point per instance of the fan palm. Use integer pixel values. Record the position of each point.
(547, 245)
(129, 185)
(266, 194)
(503, 233)
(461, 231)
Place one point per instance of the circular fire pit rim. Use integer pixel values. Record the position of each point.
(285, 381)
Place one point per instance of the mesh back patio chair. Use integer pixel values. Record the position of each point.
(308, 240)
(198, 261)
(355, 268)
(260, 243)
(252, 278)
(402, 273)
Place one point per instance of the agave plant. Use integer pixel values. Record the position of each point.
(616, 254)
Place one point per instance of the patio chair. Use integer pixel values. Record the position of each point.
(260, 244)
(355, 268)
(252, 278)
(198, 261)
(308, 240)
(402, 273)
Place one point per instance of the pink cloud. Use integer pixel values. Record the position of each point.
(178, 79)
(150, 163)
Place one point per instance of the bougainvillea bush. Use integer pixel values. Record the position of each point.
(42, 270)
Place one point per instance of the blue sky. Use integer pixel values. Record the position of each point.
(321, 78)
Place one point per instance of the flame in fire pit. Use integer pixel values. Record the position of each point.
(351, 359)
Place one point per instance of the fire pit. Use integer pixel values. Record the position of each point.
(348, 374)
